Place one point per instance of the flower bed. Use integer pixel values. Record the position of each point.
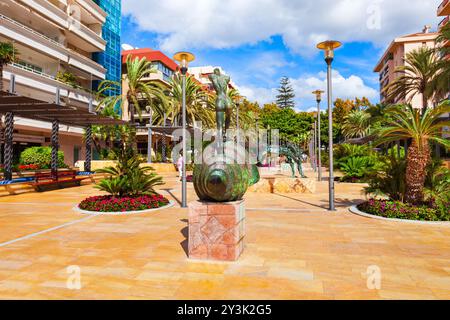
(400, 210)
(123, 204)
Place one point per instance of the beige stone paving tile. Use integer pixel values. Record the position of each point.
(291, 274)
(402, 293)
(13, 264)
(152, 275)
(14, 286)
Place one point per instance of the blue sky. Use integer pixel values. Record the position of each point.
(258, 42)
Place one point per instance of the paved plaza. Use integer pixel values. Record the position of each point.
(295, 249)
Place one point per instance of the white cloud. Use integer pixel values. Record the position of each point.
(261, 95)
(344, 88)
(217, 24)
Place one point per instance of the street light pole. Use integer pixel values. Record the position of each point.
(315, 145)
(318, 94)
(328, 47)
(184, 58)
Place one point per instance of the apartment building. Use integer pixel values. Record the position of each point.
(110, 58)
(56, 42)
(395, 55)
(444, 11)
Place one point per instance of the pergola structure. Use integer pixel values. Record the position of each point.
(13, 105)
(164, 131)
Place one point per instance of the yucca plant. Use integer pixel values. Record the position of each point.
(128, 178)
(407, 123)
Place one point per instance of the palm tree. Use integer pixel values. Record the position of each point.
(405, 122)
(137, 92)
(197, 106)
(442, 83)
(418, 76)
(356, 124)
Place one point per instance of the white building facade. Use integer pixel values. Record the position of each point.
(55, 41)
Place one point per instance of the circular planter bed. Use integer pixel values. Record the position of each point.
(111, 205)
(398, 211)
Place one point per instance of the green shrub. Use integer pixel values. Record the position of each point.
(41, 156)
(388, 178)
(356, 168)
(128, 178)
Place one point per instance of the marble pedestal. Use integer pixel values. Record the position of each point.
(216, 230)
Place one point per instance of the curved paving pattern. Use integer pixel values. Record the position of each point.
(295, 249)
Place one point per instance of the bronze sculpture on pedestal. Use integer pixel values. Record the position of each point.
(221, 181)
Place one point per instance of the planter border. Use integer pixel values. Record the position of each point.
(125, 213)
(355, 210)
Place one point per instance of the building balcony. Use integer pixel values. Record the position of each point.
(444, 22)
(79, 35)
(444, 8)
(41, 86)
(157, 76)
(31, 38)
(92, 9)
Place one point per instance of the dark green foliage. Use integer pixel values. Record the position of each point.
(128, 178)
(389, 179)
(41, 156)
(437, 185)
(286, 95)
(356, 167)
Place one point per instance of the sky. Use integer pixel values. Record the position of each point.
(259, 41)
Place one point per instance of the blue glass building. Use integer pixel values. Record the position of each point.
(111, 58)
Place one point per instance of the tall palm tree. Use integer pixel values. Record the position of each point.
(406, 122)
(356, 124)
(197, 106)
(138, 92)
(417, 76)
(442, 82)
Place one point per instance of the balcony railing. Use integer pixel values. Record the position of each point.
(444, 22)
(68, 51)
(443, 4)
(24, 27)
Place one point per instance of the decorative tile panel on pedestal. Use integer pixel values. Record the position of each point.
(216, 230)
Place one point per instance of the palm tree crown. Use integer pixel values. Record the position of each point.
(417, 76)
(137, 91)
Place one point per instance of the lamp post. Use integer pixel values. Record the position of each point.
(318, 94)
(328, 47)
(237, 101)
(315, 145)
(184, 58)
(257, 139)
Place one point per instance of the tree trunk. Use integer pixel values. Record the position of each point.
(424, 103)
(133, 133)
(1, 77)
(416, 171)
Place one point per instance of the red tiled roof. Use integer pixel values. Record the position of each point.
(151, 55)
